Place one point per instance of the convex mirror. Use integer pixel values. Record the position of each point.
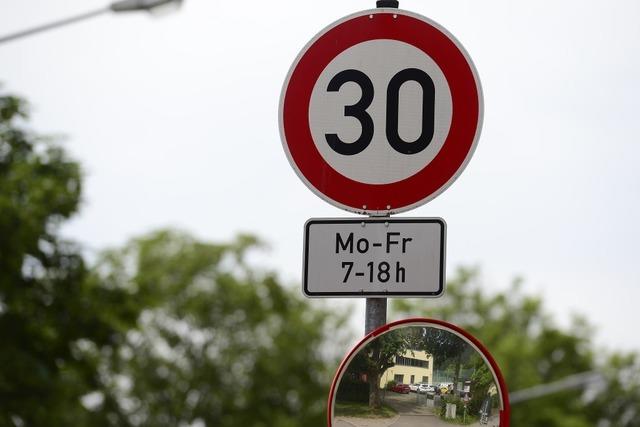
(418, 372)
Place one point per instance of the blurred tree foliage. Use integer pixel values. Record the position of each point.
(217, 343)
(531, 350)
(46, 305)
(167, 331)
(172, 331)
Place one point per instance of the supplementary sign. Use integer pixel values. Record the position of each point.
(386, 257)
(381, 111)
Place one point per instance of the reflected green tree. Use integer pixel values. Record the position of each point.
(378, 356)
(482, 385)
(448, 350)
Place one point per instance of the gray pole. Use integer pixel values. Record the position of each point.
(387, 3)
(376, 308)
(375, 314)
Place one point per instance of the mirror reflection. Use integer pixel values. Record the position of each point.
(417, 375)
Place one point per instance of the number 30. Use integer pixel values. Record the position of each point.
(359, 111)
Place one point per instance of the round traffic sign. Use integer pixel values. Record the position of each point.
(380, 111)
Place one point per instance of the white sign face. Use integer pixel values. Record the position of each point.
(380, 61)
(385, 257)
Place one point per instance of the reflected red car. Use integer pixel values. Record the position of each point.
(401, 388)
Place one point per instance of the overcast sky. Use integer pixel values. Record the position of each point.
(174, 120)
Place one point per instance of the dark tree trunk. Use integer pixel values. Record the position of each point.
(456, 377)
(375, 402)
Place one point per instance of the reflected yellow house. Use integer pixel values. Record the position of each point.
(412, 367)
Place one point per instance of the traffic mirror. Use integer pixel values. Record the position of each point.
(418, 372)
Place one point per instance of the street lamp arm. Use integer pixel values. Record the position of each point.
(117, 7)
(135, 5)
(52, 25)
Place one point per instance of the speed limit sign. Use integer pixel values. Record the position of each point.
(381, 111)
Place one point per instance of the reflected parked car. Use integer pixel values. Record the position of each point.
(426, 388)
(445, 388)
(401, 388)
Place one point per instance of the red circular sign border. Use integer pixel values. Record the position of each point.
(505, 413)
(435, 177)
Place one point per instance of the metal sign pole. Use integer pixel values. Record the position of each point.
(375, 314)
(376, 308)
(387, 3)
